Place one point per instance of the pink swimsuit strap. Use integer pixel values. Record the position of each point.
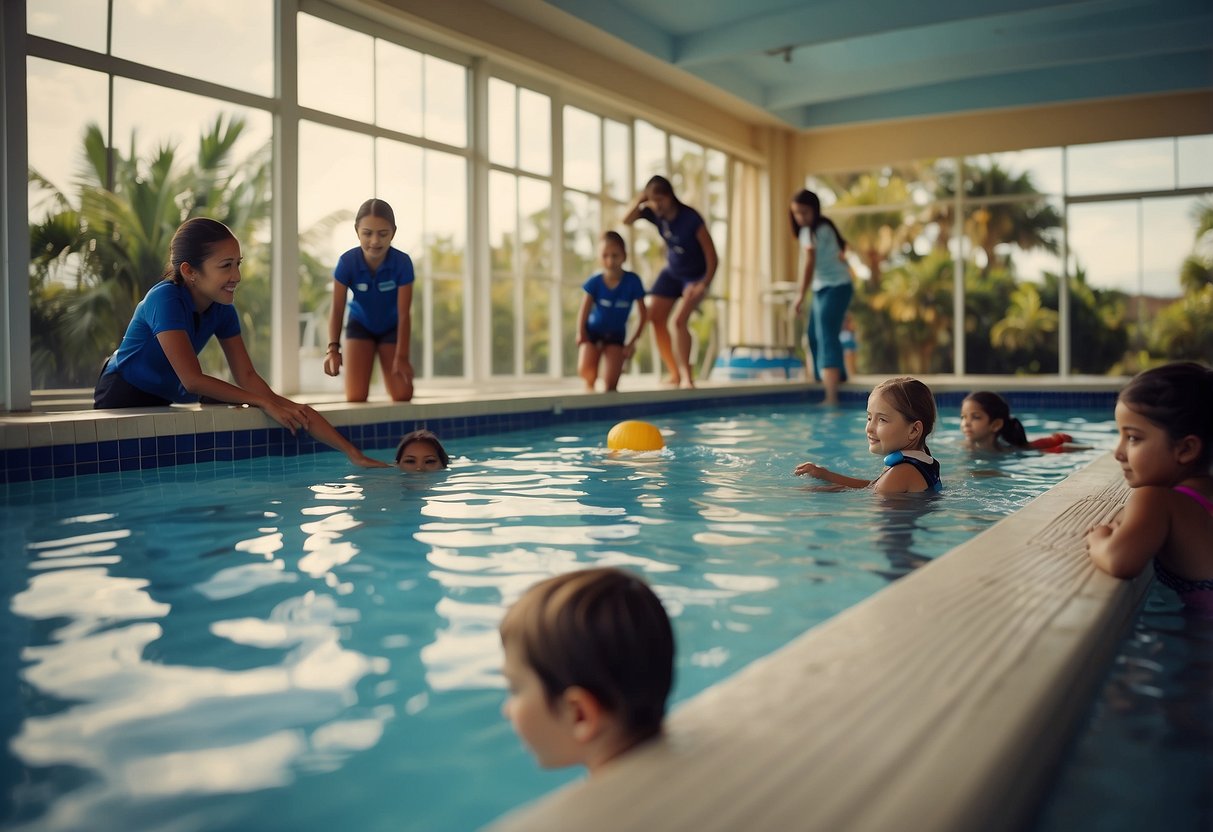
(1204, 501)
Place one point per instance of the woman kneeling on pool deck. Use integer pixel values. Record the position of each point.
(901, 414)
(589, 661)
(157, 362)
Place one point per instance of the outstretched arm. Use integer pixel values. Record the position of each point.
(820, 472)
(1123, 548)
(291, 415)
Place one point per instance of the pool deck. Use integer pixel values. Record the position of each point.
(942, 702)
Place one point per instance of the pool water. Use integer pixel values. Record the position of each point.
(1144, 760)
(290, 643)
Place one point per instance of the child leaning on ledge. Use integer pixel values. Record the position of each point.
(589, 661)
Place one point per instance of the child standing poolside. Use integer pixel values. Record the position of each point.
(688, 274)
(987, 423)
(1166, 452)
(828, 275)
(602, 323)
(589, 661)
(381, 278)
(901, 414)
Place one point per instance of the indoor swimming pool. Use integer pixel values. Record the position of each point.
(290, 643)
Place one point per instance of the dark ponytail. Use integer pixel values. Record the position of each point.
(192, 243)
(1178, 397)
(996, 407)
(375, 208)
(811, 200)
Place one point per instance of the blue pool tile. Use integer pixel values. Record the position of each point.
(107, 450)
(84, 468)
(185, 443)
(241, 439)
(108, 466)
(147, 463)
(257, 436)
(129, 448)
(40, 457)
(147, 446)
(186, 457)
(17, 458)
(204, 442)
(165, 445)
(130, 463)
(207, 455)
(241, 451)
(224, 454)
(17, 474)
(86, 452)
(63, 454)
(41, 472)
(223, 439)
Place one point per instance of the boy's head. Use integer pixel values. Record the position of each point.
(420, 450)
(589, 659)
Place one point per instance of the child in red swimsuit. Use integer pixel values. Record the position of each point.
(1165, 450)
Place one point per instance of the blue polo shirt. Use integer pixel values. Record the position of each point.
(609, 314)
(374, 303)
(683, 251)
(166, 307)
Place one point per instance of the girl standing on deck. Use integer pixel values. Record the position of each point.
(381, 278)
(157, 362)
(690, 267)
(1165, 451)
(602, 323)
(901, 414)
(827, 273)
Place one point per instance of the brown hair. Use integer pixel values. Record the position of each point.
(913, 400)
(813, 202)
(615, 238)
(192, 243)
(1178, 397)
(375, 208)
(603, 630)
(423, 435)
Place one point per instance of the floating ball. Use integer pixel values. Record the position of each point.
(634, 435)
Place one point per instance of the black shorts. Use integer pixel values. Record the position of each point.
(602, 339)
(358, 332)
(113, 392)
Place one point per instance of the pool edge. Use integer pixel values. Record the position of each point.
(943, 701)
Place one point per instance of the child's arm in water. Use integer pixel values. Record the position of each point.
(1123, 548)
(820, 472)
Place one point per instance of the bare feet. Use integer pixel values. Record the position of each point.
(687, 384)
(671, 381)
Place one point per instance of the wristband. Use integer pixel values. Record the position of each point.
(332, 344)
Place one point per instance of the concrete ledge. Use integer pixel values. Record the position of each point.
(942, 702)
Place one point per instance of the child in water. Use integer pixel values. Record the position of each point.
(420, 450)
(589, 661)
(901, 414)
(987, 425)
(1166, 452)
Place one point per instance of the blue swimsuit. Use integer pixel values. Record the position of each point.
(929, 470)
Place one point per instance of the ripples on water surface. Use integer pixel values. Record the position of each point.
(289, 643)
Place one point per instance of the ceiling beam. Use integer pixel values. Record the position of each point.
(614, 19)
(1136, 76)
(824, 22)
(866, 73)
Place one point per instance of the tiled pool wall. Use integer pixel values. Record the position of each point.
(99, 443)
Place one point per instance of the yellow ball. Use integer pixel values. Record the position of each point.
(634, 435)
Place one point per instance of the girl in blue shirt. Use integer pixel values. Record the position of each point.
(602, 324)
(827, 273)
(691, 265)
(381, 278)
(157, 361)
